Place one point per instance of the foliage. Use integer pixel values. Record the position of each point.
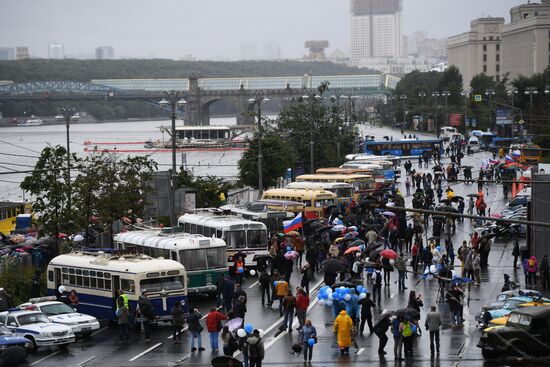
(49, 187)
(17, 281)
(277, 157)
(311, 120)
(208, 188)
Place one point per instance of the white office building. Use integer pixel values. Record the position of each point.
(55, 51)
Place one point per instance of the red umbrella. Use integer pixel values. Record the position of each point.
(351, 249)
(389, 254)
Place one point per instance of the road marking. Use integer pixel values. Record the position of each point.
(182, 359)
(145, 352)
(254, 284)
(275, 340)
(46, 357)
(183, 329)
(86, 361)
(361, 350)
(384, 311)
(99, 331)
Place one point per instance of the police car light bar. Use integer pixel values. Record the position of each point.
(43, 299)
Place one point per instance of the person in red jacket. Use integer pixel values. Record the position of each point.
(302, 303)
(214, 325)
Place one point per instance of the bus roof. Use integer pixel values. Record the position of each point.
(183, 241)
(393, 142)
(305, 194)
(280, 203)
(318, 185)
(10, 204)
(260, 209)
(347, 170)
(122, 264)
(208, 217)
(334, 177)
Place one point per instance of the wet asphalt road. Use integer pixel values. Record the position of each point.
(458, 345)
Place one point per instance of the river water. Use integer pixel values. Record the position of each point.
(26, 143)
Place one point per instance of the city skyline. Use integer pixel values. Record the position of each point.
(212, 29)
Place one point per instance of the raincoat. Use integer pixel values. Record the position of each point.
(343, 326)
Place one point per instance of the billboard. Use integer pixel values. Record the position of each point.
(454, 119)
(504, 117)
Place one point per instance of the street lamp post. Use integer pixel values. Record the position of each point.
(422, 95)
(257, 100)
(490, 93)
(466, 95)
(446, 94)
(403, 98)
(512, 92)
(173, 99)
(316, 98)
(436, 95)
(67, 113)
(531, 91)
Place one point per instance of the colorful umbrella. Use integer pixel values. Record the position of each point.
(351, 249)
(291, 255)
(389, 254)
(389, 214)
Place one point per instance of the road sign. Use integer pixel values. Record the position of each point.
(478, 97)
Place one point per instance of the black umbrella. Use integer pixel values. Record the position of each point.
(434, 238)
(407, 314)
(456, 199)
(374, 253)
(472, 195)
(261, 257)
(333, 265)
(226, 361)
(372, 247)
(343, 284)
(322, 229)
(435, 168)
(445, 208)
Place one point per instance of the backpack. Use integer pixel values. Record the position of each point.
(378, 278)
(407, 330)
(254, 350)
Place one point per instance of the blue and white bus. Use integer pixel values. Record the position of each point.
(97, 279)
(403, 148)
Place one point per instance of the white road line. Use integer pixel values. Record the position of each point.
(99, 331)
(384, 311)
(361, 350)
(182, 330)
(254, 284)
(86, 361)
(275, 340)
(145, 352)
(46, 357)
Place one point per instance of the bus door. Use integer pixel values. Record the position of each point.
(116, 288)
(57, 278)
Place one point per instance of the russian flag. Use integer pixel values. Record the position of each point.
(508, 159)
(294, 224)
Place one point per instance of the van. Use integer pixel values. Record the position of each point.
(446, 132)
(473, 143)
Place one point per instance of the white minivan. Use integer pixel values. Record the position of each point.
(473, 143)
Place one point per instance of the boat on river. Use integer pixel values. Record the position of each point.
(205, 137)
(32, 121)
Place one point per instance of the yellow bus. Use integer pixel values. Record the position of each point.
(9, 210)
(362, 183)
(342, 190)
(315, 201)
(530, 153)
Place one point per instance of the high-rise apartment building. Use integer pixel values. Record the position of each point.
(55, 51)
(22, 53)
(376, 29)
(477, 51)
(7, 53)
(104, 53)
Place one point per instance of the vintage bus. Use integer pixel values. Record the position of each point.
(391, 173)
(9, 210)
(362, 182)
(403, 148)
(342, 190)
(98, 277)
(271, 214)
(203, 257)
(240, 235)
(315, 201)
(530, 153)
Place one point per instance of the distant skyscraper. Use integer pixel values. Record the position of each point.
(22, 53)
(7, 53)
(104, 53)
(55, 51)
(271, 51)
(376, 29)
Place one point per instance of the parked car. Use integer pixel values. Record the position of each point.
(526, 334)
(518, 201)
(60, 313)
(511, 304)
(13, 349)
(36, 327)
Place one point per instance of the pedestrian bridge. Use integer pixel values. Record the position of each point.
(201, 93)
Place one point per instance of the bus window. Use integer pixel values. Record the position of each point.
(174, 256)
(127, 286)
(186, 258)
(159, 284)
(216, 257)
(307, 203)
(235, 239)
(256, 238)
(199, 257)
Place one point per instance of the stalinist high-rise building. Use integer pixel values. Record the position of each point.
(376, 29)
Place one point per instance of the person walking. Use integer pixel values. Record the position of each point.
(289, 306)
(282, 290)
(195, 328)
(409, 234)
(401, 266)
(123, 316)
(397, 339)
(453, 299)
(366, 313)
(476, 266)
(406, 330)
(265, 286)
(308, 332)
(545, 273)
(307, 276)
(380, 329)
(255, 349)
(228, 341)
(343, 328)
(516, 253)
(532, 268)
(214, 326)
(408, 185)
(433, 324)
(377, 286)
(220, 283)
(147, 314)
(239, 308)
(228, 294)
(302, 303)
(178, 319)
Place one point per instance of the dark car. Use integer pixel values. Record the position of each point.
(526, 334)
(13, 349)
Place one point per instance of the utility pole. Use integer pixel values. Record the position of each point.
(67, 113)
(257, 100)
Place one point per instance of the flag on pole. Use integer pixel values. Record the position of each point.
(294, 224)
(508, 159)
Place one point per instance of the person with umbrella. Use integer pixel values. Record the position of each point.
(415, 302)
(343, 329)
(380, 329)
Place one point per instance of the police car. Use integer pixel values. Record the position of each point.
(36, 327)
(60, 313)
(13, 349)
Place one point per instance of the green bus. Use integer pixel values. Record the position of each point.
(204, 258)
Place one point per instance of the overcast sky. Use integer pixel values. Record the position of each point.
(213, 29)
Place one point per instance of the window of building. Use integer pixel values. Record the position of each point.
(498, 57)
(490, 38)
(498, 47)
(484, 47)
(484, 58)
(484, 68)
(498, 68)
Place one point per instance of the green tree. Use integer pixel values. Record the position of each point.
(277, 157)
(50, 191)
(208, 188)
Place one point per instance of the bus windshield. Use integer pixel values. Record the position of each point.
(531, 152)
(235, 239)
(343, 193)
(256, 238)
(323, 202)
(216, 257)
(159, 284)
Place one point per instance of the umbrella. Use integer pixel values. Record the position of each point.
(456, 199)
(234, 324)
(292, 233)
(291, 255)
(436, 168)
(78, 238)
(389, 214)
(357, 243)
(372, 247)
(445, 208)
(333, 265)
(445, 201)
(264, 257)
(343, 284)
(351, 249)
(338, 228)
(322, 229)
(389, 254)
(375, 253)
(226, 361)
(472, 195)
(434, 238)
(407, 313)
